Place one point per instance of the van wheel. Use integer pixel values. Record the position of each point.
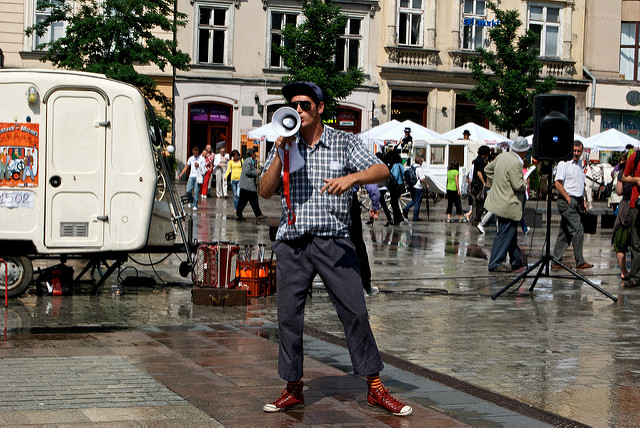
(19, 271)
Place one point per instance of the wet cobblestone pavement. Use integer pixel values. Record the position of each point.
(564, 348)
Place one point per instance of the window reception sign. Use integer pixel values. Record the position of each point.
(625, 122)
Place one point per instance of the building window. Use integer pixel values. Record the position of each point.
(54, 31)
(348, 52)
(629, 50)
(474, 18)
(213, 29)
(410, 23)
(278, 22)
(545, 22)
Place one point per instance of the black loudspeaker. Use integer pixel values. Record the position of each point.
(553, 117)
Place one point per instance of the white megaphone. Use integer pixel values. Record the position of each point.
(286, 121)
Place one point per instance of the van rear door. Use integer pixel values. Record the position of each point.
(77, 126)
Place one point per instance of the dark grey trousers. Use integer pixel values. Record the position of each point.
(335, 260)
(571, 230)
(506, 242)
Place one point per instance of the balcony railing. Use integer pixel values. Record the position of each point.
(461, 61)
(416, 58)
(558, 68)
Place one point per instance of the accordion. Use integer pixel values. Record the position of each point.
(215, 265)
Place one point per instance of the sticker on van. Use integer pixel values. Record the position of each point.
(19, 143)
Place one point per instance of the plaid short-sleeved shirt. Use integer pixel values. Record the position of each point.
(337, 154)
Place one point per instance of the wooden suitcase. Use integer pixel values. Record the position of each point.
(219, 296)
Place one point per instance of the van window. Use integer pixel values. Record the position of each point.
(437, 155)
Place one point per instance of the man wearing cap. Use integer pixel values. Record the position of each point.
(317, 242)
(569, 182)
(505, 201)
(466, 134)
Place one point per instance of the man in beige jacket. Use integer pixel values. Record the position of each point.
(505, 201)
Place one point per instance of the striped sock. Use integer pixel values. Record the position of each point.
(374, 381)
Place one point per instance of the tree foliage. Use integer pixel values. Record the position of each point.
(310, 50)
(506, 96)
(112, 36)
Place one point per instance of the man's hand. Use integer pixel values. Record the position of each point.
(337, 186)
(285, 142)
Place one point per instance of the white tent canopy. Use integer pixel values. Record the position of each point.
(369, 136)
(610, 140)
(478, 133)
(396, 132)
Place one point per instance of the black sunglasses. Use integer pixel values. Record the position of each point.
(304, 105)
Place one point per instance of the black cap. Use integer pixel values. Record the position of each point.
(466, 132)
(407, 129)
(303, 88)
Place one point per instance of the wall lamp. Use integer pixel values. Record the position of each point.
(32, 94)
(444, 110)
(259, 107)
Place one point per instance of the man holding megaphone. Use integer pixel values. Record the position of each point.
(313, 238)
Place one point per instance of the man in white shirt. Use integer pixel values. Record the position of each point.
(569, 182)
(196, 166)
(416, 190)
(220, 163)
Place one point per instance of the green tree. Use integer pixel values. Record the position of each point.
(505, 96)
(310, 49)
(111, 37)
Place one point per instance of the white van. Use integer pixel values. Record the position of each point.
(77, 168)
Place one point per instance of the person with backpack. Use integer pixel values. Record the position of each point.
(622, 227)
(631, 176)
(414, 179)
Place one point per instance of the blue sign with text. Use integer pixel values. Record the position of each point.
(481, 22)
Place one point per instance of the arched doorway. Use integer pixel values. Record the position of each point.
(209, 123)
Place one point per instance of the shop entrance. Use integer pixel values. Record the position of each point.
(209, 123)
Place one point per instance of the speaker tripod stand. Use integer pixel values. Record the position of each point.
(544, 263)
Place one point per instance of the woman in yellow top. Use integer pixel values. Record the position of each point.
(235, 170)
(453, 191)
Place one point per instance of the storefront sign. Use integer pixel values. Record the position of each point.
(210, 113)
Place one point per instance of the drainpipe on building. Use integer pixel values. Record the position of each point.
(593, 98)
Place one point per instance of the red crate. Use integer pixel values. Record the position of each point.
(254, 276)
(255, 287)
